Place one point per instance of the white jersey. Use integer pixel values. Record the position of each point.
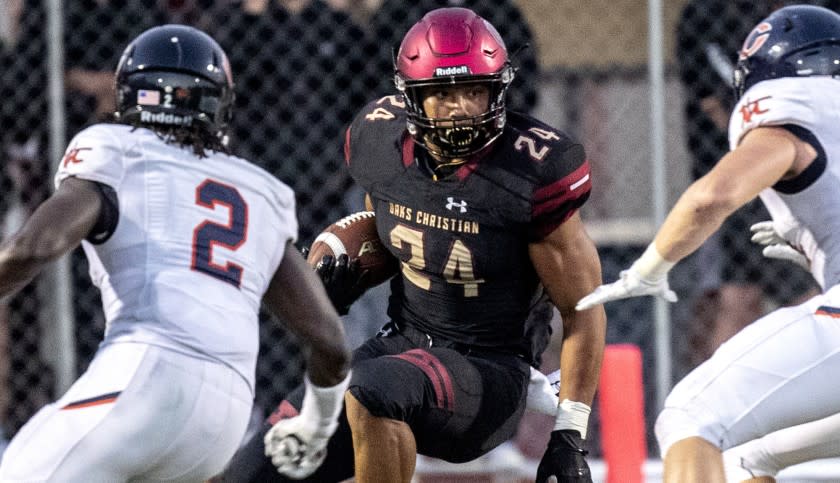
(197, 242)
(811, 202)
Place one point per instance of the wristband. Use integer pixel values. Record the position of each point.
(323, 404)
(572, 415)
(652, 265)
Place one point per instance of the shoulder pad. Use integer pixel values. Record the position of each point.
(772, 103)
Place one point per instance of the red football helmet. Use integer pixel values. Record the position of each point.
(453, 46)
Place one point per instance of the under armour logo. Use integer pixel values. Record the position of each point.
(451, 205)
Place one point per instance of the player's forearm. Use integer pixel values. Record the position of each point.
(695, 217)
(584, 335)
(329, 359)
(46, 235)
(320, 330)
(580, 364)
(297, 296)
(18, 266)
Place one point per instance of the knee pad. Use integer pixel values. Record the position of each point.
(675, 424)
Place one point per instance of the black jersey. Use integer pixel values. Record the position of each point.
(463, 240)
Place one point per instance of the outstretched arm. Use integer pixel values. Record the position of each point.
(57, 226)
(766, 156)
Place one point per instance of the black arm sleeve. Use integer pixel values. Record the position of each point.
(109, 215)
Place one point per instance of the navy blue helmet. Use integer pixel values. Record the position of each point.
(794, 41)
(176, 76)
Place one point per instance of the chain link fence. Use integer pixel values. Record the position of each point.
(303, 68)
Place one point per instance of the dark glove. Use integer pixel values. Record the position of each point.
(564, 459)
(344, 280)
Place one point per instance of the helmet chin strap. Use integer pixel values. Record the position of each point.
(438, 162)
(442, 166)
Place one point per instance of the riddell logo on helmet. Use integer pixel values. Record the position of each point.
(165, 118)
(454, 70)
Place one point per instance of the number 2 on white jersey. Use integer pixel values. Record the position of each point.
(209, 234)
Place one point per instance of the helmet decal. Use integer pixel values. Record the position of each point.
(755, 39)
(148, 97)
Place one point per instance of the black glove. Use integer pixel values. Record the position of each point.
(564, 459)
(344, 280)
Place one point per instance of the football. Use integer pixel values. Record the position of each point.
(356, 236)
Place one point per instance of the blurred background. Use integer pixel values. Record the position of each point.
(645, 86)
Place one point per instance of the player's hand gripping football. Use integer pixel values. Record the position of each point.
(344, 281)
(779, 243)
(629, 284)
(564, 460)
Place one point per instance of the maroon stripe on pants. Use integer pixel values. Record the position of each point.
(437, 374)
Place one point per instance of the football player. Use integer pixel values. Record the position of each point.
(784, 148)
(480, 205)
(163, 214)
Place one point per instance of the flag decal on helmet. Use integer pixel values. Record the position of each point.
(148, 98)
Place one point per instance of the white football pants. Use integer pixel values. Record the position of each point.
(139, 413)
(778, 372)
(769, 455)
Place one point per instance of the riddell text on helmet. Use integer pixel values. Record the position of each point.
(165, 118)
(454, 70)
